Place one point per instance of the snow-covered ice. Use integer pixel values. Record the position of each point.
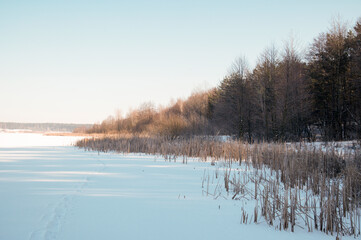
(20, 139)
(52, 191)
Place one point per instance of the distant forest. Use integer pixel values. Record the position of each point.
(290, 94)
(44, 127)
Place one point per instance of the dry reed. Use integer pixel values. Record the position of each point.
(292, 185)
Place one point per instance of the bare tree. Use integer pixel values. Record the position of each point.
(265, 76)
(291, 91)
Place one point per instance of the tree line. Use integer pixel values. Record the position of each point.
(287, 96)
(44, 127)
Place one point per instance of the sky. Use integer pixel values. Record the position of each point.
(81, 61)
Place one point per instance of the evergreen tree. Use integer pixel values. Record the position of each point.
(328, 66)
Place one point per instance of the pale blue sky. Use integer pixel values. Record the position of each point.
(79, 61)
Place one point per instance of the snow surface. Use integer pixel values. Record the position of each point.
(20, 139)
(52, 191)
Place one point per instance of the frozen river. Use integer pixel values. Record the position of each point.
(51, 190)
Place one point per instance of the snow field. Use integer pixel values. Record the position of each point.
(60, 192)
